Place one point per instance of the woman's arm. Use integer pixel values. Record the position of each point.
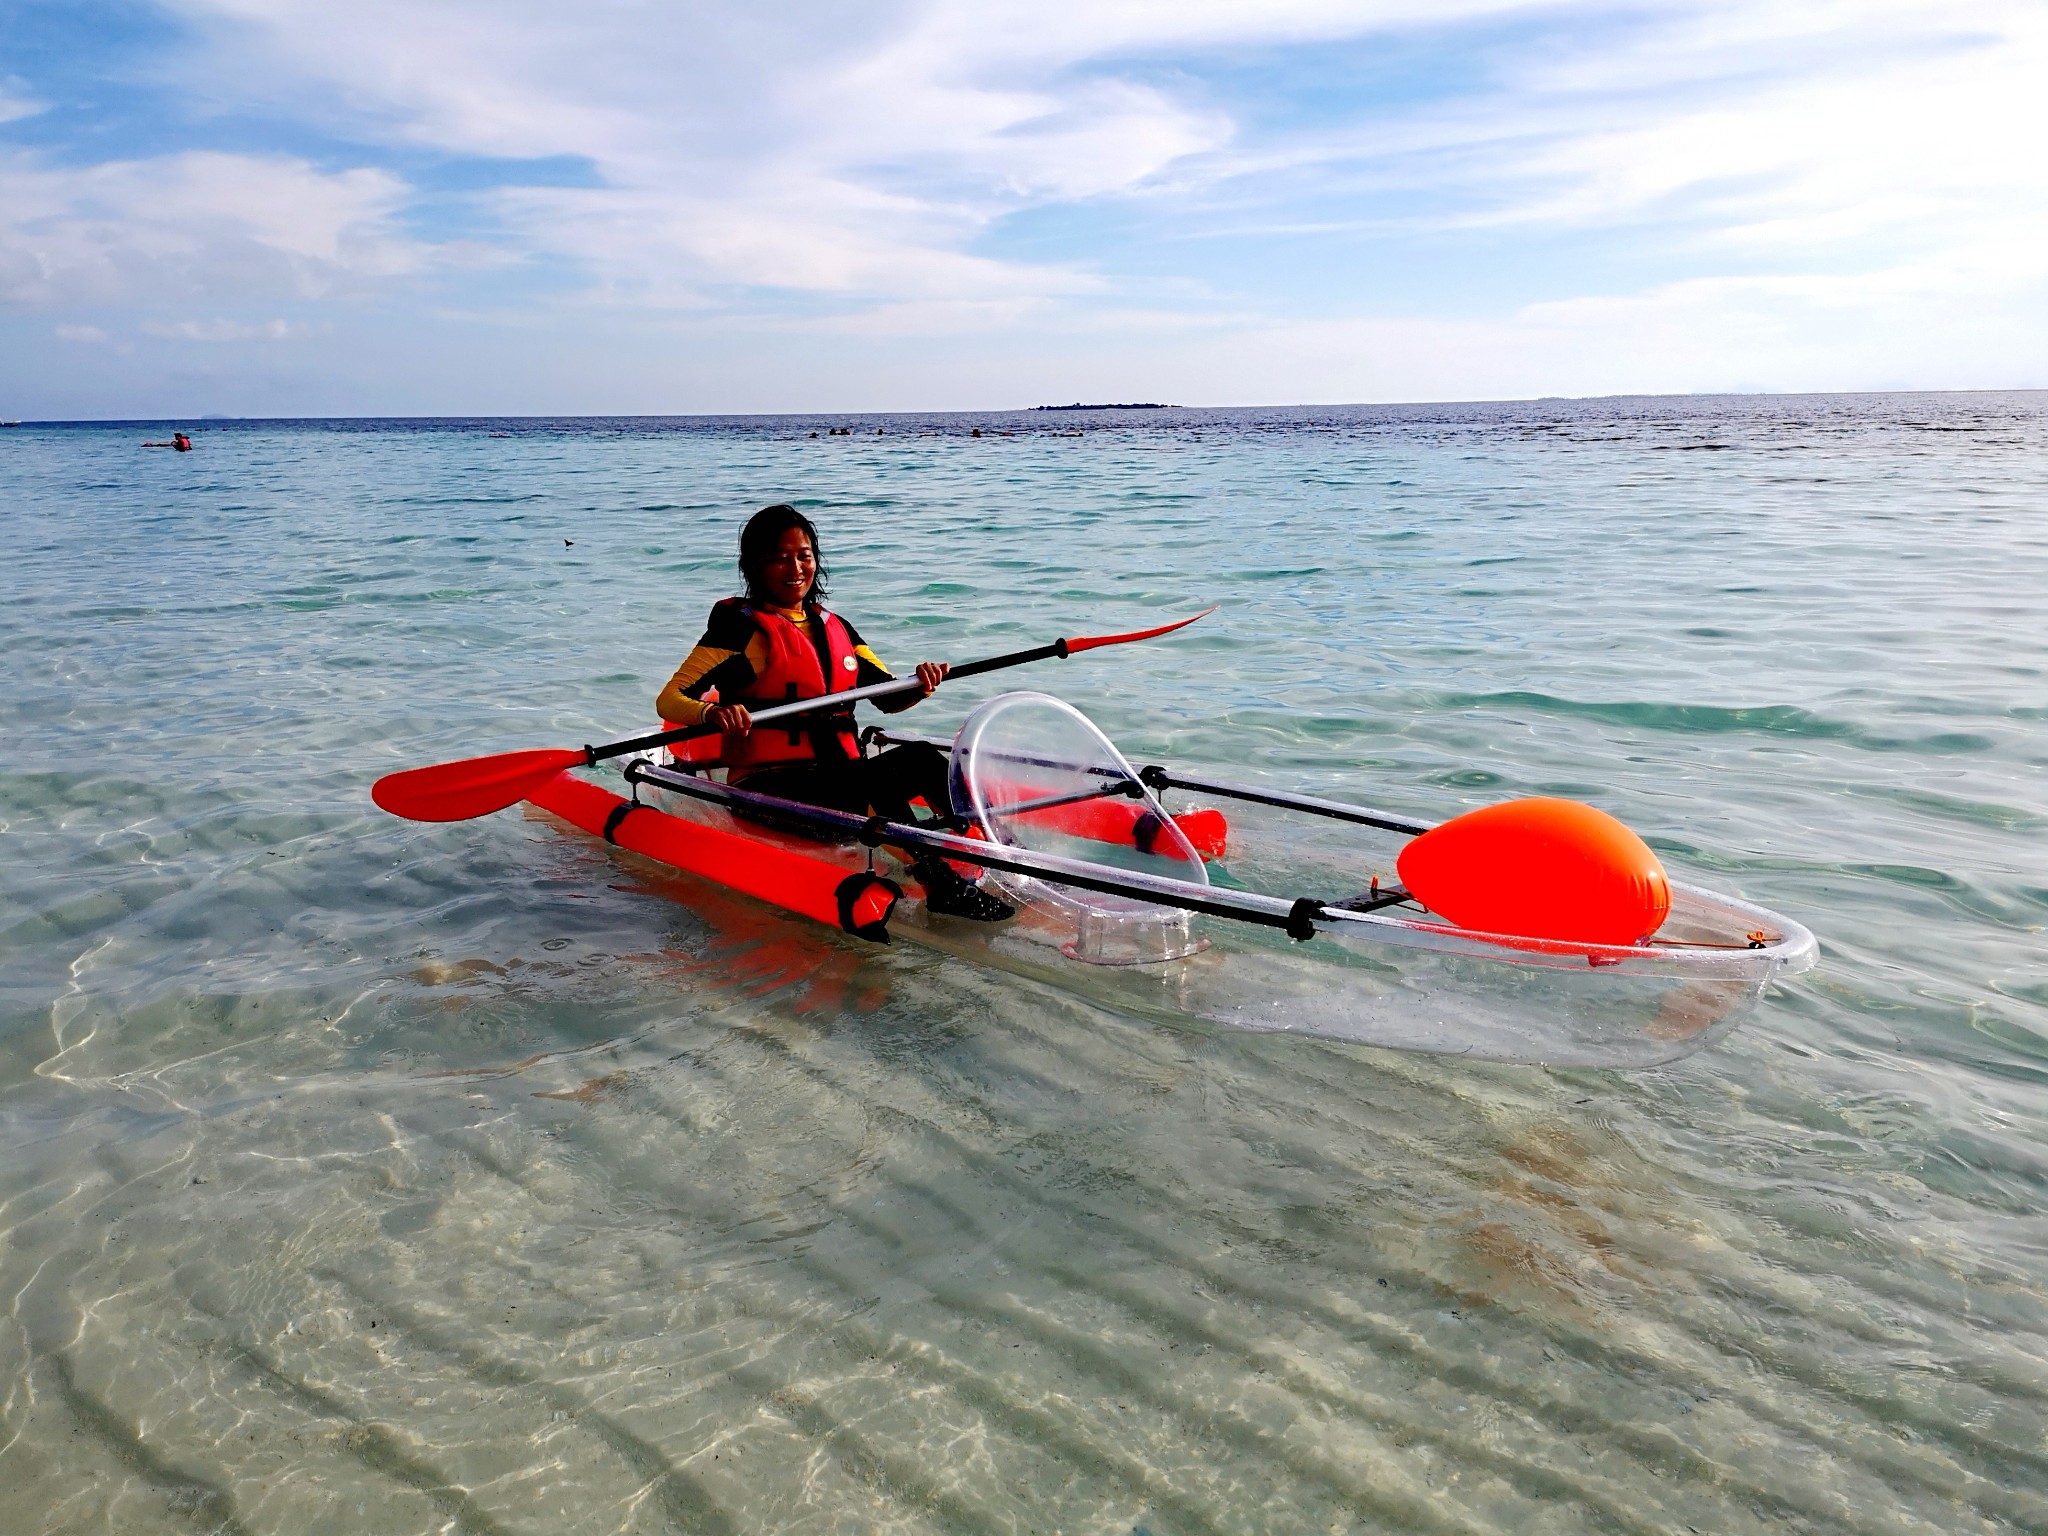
(719, 661)
(929, 673)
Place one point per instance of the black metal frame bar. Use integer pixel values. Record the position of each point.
(1292, 917)
(1157, 778)
(1128, 789)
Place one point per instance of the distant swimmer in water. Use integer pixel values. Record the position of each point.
(778, 643)
(178, 441)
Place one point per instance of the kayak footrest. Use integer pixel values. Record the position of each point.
(1372, 900)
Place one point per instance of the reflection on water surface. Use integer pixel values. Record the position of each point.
(362, 1176)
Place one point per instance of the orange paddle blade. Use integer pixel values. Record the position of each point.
(1090, 642)
(476, 786)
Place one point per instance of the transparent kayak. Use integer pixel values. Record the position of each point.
(1138, 889)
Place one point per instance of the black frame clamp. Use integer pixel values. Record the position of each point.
(1301, 924)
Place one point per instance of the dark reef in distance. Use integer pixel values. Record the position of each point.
(1141, 405)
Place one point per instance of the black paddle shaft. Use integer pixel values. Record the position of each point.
(827, 701)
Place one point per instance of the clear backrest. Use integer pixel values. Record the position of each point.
(1032, 772)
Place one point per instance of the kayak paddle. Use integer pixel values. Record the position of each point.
(477, 786)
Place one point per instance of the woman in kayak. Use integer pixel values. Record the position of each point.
(778, 643)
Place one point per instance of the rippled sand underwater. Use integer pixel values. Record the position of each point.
(366, 1176)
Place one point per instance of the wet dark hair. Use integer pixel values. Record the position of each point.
(760, 541)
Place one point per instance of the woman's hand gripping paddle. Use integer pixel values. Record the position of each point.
(477, 786)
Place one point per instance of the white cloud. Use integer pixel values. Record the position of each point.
(226, 330)
(193, 226)
(16, 102)
(1793, 185)
(1902, 329)
(85, 335)
(1909, 138)
(803, 147)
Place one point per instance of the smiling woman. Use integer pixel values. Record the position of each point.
(778, 644)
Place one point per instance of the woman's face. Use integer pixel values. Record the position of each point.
(791, 569)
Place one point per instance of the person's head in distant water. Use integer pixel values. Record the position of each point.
(780, 558)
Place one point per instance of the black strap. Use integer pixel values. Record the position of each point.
(851, 889)
(618, 814)
(826, 737)
(1145, 831)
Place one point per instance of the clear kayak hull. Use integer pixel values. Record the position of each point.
(1357, 990)
(1171, 936)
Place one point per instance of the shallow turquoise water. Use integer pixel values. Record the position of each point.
(362, 1175)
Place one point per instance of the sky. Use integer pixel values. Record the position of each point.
(432, 207)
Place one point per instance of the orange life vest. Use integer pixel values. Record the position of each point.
(792, 672)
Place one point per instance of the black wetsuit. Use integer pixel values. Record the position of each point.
(882, 785)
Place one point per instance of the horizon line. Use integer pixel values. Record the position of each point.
(1020, 410)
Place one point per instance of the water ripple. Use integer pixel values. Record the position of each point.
(366, 1175)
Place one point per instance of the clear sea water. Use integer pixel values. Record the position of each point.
(365, 1176)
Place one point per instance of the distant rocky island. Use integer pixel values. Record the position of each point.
(1134, 405)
